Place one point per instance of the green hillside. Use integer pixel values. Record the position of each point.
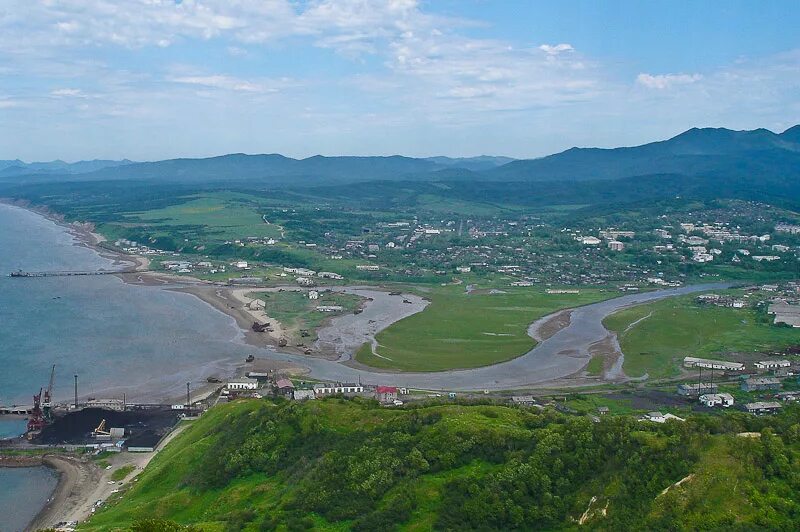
(353, 465)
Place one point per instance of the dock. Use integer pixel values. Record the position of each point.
(65, 273)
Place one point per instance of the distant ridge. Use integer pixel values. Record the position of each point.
(697, 152)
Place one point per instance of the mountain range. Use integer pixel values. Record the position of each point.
(700, 153)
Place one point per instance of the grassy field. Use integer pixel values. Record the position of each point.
(296, 312)
(677, 327)
(221, 216)
(460, 330)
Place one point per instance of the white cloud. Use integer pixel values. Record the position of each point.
(556, 49)
(224, 82)
(74, 93)
(665, 81)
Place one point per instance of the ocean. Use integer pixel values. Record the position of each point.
(23, 491)
(144, 342)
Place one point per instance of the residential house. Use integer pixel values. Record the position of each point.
(762, 407)
(713, 399)
(245, 383)
(386, 394)
(757, 384)
(697, 389)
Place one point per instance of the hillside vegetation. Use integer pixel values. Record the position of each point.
(353, 465)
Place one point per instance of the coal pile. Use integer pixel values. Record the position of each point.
(76, 427)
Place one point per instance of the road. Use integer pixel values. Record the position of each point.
(563, 354)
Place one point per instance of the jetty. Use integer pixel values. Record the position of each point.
(64, 273)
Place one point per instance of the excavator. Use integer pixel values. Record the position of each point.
(100, 432)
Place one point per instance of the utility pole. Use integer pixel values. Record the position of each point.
(188, 400)
(76, 391)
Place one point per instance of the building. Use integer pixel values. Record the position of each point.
(313, 294)
(303, 395)
(330, 275)
(329, 308)
(256, 304)
(590, 241)
(616, 245)
(344, 388)
(785, 313)
(107, 404)
(658, 417)
(284, 387)
(697, 389)
(773, 364)
(463, 269)
(523, 400)
(368, 267)
(693, 362)
(757, 384)
(713, 399)
(602, 410)
(759, 408)
(245, 383)
(242, 265)
(386, 394)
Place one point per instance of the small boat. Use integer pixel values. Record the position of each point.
(250, 358)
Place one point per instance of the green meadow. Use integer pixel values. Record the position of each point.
(666, 331)
(221, 216)
(460, 330)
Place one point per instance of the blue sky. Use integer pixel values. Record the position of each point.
(155, 79)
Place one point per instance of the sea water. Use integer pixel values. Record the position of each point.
(144, 342)
(23, 492)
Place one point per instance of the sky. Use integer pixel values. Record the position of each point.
(158, 79)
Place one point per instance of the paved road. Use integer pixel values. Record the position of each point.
(563, 354)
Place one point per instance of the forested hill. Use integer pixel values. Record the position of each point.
(697, 153)
(336, 464)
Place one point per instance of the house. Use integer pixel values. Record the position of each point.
(284, 387)
(245, 383)
(773, 364)
(242, 265)
(758, 408)
(694, 390)
(303, 395)
(616, 245)
(330, 275)
(713, 399)
(368, 267)
(602, 410)
(658, 417)
(343, 388)
(590, 241)
(305, 281)
(655, 417)
(523, 400)
(313, 294)
(463, 269)
(386, 394)
(256, 304)
(754, 384)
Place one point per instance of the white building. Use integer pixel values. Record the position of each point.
(590, 241)
(616, 245)
(241, 264)
(328, 389)
(463, 269)
(693, 362)
(368, 267)
(313, 294)
(245, 383)
(773, 364)
(713, 399)
(330, 275)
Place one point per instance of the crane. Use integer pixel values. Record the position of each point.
(47, 404)
(36, 421)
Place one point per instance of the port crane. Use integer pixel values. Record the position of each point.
(47, 404)
(36, 419)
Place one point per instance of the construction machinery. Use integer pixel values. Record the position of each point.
(100, 433)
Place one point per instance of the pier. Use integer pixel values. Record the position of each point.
(21, 273)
